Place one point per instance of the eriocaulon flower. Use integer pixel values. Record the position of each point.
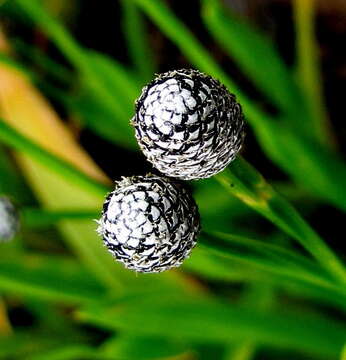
(9, 221)
(188, 125)
(149, 223)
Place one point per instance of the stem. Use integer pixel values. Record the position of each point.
(308, 68)
(248, 185)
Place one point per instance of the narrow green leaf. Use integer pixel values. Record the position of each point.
(176, 318)
(35, 276)
(208, 265)
(11, 183)
(34, 217)
(264, 67)
(22, 344)
(244, 182)
(131, 346)
(192, 49)
(310, 278)
(119, 81)
(79, 57)
(11, 137)
(135, 32)
(69, 352)
(5, 59)
(318, 169)
(37, 57)
(267, 251)
(308, 71)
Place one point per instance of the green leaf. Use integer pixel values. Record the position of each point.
(11, 183)
(69, 352)
(92, 75)
(264, 67)
(127, 346)
(23, 344)
(36, 218)
(318, 169)
(188, 318)
(277, 264)
(36, 56)
(244, 182)
(192, 49)
(266, 251)
(135, 33)
(17, 141)
(308, 69)
(207, 265)
(37, 276)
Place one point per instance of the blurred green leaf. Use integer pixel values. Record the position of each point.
(211, 267)
(244, 182)
(11, 183)
(125, 346)
(22, 344)
(33, 217)
(37, 276)
(308, 71)
(38, 59)
(69, 352)
(120, 82)
(189, 318)
(7, 60)
(136, 34)
(264, 66)
(306, 276)
(263, 250)
(93, 76)
(12, 138)
(318, 169)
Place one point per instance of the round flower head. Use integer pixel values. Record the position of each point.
(9, 221)
(188, 125)
(149, 223)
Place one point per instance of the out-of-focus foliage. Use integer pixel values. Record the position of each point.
(243, 290)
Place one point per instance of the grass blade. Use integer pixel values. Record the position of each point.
(35, 276)
(138, 46)
(79, 57)
(308, 68)
(264, 66)
(36, 218)
(244, 182)
(267, 251)
(224, 323)
(17, 141)
(192, 49)
(131, 346)
(318, 169)
(310, 278)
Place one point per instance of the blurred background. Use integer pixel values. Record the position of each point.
(267, 278)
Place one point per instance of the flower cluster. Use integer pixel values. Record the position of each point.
(189, 127)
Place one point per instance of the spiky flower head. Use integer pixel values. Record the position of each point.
(149, 223)
(188, 125)
(9, 220)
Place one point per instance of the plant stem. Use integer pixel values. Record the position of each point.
(308, 68)
(244, 182)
